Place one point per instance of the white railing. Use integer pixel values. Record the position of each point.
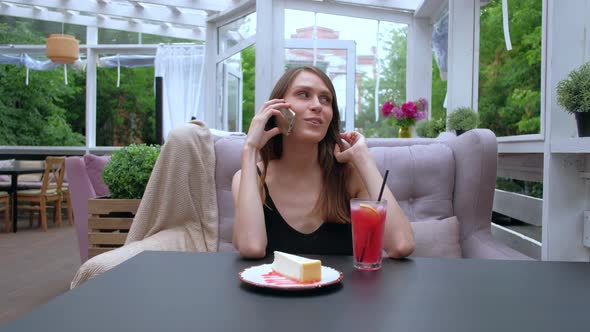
(521, 207)
(524, 167)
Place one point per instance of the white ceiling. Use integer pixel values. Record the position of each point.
(175, 18)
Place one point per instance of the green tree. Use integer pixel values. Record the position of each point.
(439, 91)
(33, 114)
(510, 81)
(249, 86)
(48, 112)
(125, 114)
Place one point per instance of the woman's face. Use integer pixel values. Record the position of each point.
(311, 101)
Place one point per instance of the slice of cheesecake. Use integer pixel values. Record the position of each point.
(296, 267)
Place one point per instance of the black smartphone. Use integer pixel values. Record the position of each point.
(285, 123)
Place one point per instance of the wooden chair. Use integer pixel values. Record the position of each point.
(50, 191)
(5, 206)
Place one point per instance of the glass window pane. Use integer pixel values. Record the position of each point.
(438, 110)
(392, 57)
(375, 42)
(46, 111)
(332, 62)
(236, 90)
(248, 85)
(510, 81)
(230, 72)
(110, 37)
(232, 101)
(125, 114)
(35, 32)
(298, 23)
(236, 31)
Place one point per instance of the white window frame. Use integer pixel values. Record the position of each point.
(213, 115)
(227, 72)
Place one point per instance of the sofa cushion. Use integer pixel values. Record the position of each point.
(94, 166)
(421, 178)
(437, 238)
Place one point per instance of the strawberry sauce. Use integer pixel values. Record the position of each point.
(274, 278)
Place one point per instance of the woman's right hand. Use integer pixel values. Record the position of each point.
(257, 135)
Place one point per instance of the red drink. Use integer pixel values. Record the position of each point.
(368, 221)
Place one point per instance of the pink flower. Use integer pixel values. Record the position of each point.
(409, 109)
(398, 113)
(424, 104)
(387, 108)
(407, 114)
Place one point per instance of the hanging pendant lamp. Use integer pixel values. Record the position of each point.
(62, 48)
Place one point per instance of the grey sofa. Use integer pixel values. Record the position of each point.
(445, 187)
(432, 179)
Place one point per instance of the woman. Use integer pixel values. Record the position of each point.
(296, 199)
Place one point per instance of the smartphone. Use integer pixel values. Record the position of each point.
(286, 124)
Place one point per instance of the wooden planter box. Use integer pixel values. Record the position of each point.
(109, 223)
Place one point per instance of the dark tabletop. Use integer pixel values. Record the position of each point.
(166, 291)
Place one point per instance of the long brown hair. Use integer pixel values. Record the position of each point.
(333, 201)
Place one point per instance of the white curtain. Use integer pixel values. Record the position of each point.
(181, 69)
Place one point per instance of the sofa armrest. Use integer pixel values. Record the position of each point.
(476, 155)
(482, 245)
(173, 239)
(81, 190)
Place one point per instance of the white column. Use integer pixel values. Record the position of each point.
(210, 115)
(91, 57)
(565, 194)
(463, 54)
(270, 16)
(419, 63)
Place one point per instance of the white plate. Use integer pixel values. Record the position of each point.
(263, 276)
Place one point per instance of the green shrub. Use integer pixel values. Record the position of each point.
(529, 188)
(573, 92)
(430, 128)
(128, 171)
(463, 118)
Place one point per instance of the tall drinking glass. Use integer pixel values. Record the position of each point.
(368, 224)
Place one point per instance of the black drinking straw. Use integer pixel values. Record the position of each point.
(383, 185)
(379, 200)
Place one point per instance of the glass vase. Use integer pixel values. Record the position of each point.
(404, 132)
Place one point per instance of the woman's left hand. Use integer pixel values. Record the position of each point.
(355, 145)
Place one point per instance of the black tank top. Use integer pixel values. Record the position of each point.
(329, 239)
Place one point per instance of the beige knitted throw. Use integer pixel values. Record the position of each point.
(178, 211)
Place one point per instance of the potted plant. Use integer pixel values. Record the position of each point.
(405, 115)
(430, 128)
(573, 94)
(462, 120)
(129, 170)
(126, 175)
